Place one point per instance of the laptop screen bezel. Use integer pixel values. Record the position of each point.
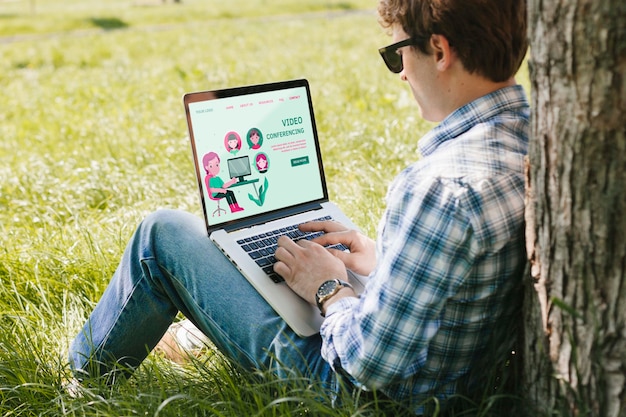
(200, 96)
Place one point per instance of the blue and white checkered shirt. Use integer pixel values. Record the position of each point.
(450, 248)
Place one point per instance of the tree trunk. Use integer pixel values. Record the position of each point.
(575, 311)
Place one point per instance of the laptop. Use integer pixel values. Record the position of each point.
(259, 170)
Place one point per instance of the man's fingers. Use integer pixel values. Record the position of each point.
(286, 243)
(285, 250)
(348, 238)
(282, 269)
(327, 226)
(288, 250)
(339, 254)
(284, 257)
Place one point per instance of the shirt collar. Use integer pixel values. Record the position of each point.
(471, 114)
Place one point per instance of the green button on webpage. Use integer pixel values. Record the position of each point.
(300, 161)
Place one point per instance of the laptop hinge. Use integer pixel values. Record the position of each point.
(266, 218)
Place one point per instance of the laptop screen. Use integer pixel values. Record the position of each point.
(255, 151)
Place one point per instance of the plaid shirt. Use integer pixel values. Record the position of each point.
(449, 250)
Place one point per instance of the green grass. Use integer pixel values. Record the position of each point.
(92, 138)
(26, 17)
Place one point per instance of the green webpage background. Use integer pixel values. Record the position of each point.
(284, 120)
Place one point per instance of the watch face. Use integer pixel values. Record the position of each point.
(327, 288)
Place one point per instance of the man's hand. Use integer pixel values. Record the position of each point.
(362, 256)
(305, 265)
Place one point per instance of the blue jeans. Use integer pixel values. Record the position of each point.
(170, 265)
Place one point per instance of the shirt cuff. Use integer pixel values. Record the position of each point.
(344, 304)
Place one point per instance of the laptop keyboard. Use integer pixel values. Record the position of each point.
(261, 247)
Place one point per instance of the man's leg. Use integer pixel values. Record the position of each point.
(170, 265)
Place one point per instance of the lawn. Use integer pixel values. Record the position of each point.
(93, 138)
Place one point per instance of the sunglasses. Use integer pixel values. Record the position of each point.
(391, 56)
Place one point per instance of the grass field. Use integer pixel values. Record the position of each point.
(93, 137)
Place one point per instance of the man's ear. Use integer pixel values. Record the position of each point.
(442, 52)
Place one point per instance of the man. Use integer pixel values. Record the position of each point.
(449, 252)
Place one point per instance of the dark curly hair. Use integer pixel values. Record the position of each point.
(489, 36)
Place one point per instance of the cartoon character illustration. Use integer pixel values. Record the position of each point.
(255, 138)
(262, 164)
(216, 187)
(232, 142)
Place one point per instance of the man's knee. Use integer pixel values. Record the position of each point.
(166, 230)
(170, 221)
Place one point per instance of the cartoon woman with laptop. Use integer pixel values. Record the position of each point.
(216, 187)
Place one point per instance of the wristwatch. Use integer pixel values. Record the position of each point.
(327, 290)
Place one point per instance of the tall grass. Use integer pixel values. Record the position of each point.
(92, 138)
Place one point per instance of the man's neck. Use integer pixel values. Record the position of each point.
(466, 88)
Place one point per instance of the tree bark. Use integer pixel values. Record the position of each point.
(575, 302)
